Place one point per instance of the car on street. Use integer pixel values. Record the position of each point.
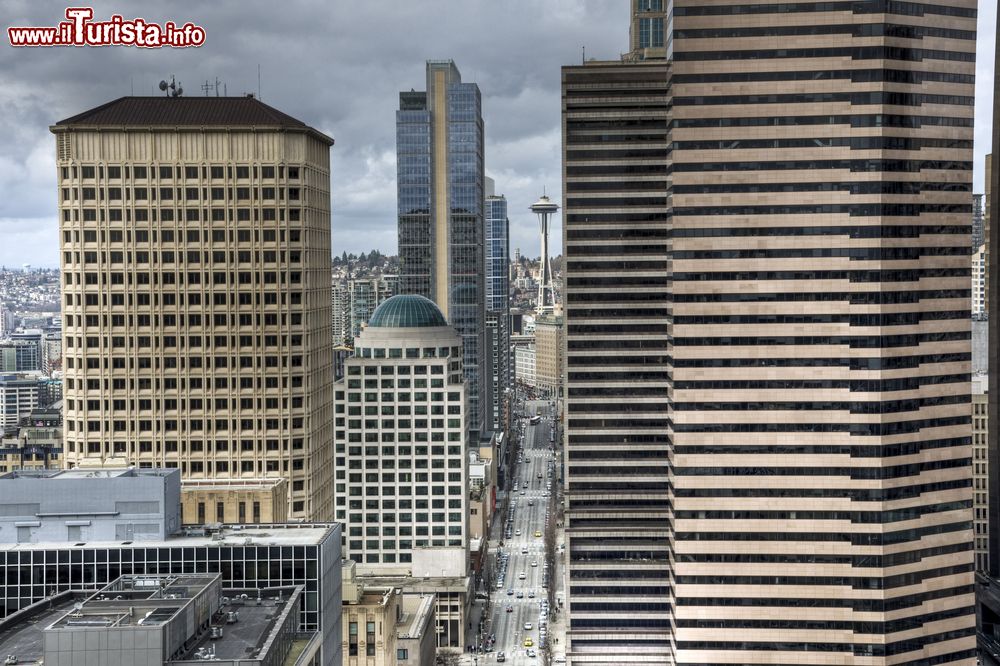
(531, 502)
(534, 563)
(521, 576)
(501, 657)
(520, 595)
(531, 594)
(524, 550)
(527, 626)
(517, 532)
(510, 591)
(530, 653)
(510, 609)
(528, 642)
(538, 533)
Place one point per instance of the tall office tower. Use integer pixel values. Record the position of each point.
(822, 167)
(440, 181)
(816, 489)
(617, 306)
(195, 238)
(498, 308)
(341, 312)
(401, 412)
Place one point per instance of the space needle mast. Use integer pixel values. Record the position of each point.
(544, 208)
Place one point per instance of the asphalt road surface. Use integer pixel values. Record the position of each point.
(523, 596)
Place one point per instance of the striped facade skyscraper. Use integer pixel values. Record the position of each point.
(785, 198)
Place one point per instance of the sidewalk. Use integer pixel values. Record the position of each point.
(557, 618)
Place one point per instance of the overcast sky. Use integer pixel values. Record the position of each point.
(338, 66)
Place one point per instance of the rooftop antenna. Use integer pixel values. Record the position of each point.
(208, 86)
(583, 60)
(172, 89)
(258, 80)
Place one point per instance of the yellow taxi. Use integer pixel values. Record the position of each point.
(537, 534)
(528, 642)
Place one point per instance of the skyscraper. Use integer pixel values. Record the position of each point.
(440, 181)
(617, 328)
(402, 405)
(806, 491)
(498, 308)
(195, 238)
(401, 460)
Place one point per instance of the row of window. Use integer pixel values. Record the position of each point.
(189, 215)
(187, 194)
(165, 172)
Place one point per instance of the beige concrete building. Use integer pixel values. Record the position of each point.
(980, 471)
(768, 433)
(549, 374)
(234, 501)
(195, 250)
(368, 622)
(415, 643)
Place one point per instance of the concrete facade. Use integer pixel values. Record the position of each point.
(549, 342)
(195, 245)
(234, 501)
(80, 505)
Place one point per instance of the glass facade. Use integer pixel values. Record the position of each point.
(497, 240)
(419, 164)
(30, 574)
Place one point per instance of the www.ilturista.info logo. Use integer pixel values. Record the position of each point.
(80, 30)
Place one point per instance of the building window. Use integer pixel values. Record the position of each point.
(402, 653)
(352, 640)
(370, 639)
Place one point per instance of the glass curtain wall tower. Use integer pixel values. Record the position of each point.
(440, 180)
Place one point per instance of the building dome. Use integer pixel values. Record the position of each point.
(407, 311)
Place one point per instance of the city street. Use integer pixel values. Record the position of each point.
(525, 545)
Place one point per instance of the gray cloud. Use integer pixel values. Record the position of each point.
(338, 66)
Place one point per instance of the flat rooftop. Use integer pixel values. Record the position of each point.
(413, 616)
(277, 534)
(24, 637)
(246, 637)
(136, 600)
(83, 473)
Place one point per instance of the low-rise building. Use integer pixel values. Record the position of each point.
(234, 501)
(157, 619)
(369, 621)
(548, 353)
(96, 527)
(79, 505)
(524, 365)
(20, 394)
(415, 644)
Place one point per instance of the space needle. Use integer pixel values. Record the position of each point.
(544, 208)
